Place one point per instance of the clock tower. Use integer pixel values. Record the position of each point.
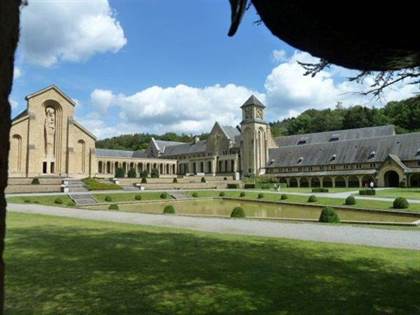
(255, 137)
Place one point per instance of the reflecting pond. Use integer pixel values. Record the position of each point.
(219, 207)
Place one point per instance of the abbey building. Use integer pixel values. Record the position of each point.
(47, 141)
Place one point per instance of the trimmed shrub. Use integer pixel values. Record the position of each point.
(312, 198)
(242, 194)
(35, 181)
(194, 194)
(350, 200)
(403, 184)
(144, 180)
(27, 201)
(222, 194)
(320, 190)
(70, 204)
(175, 180)
(108, 198)
(119, 172)
(169, 209)
(329, 215)
(260, 196)
(144, 174)
(232, 186)
(58, 201)
(132, 173)
(203, 180)
(370, 192)
(400, 203)
(137, 197)
(283, 197)
(237, 212)
(249, 186)
(164, 195)
(36, 201)
(114, 206)
(154, 173)
(265, 186)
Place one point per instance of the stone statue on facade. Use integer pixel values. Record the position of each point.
(49, 131)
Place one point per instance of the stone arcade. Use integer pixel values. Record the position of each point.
(47, 141)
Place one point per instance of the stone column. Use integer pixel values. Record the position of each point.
(321, 181)
(360, 178)
(333, 181)
(298, 181)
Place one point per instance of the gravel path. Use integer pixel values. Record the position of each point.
(408, 239)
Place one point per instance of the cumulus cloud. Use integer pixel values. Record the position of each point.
(279, 55)
(101, 99)
(17, 73)
(69, 30)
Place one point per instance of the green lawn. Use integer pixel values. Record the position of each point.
(68, 266)
(93, 184)
(369, 204)
(43, 200)
(408, 193)
(128, 196)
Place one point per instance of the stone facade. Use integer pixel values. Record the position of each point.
(47, 141)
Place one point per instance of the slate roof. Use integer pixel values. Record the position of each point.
(253, 100)
(119, 153)
(230, 132)
(162, 144)
(405, 146)
(186, 148)
(342, 135)
(20, 115)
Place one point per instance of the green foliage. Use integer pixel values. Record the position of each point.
(114, 206)
(237, 212)
(260, 196)
(242, 194)
(203, 180)
(144, 180)
(312, 198)
(402, 184)
(137, 197)
(108, 198)
(144, 174)
(164, 195)
(27, 201)
(132, 173)
(232, 186)
(70, 204)
(265, 186)
(119, 172)
(175, 180)
(249, 186)
(283, 197)
(154, 173)
(329, 215)
(222, 194)
(169, 209)
(194, 194)
(93, 184)
(35, 181)
(367, 192)
(350, 200)
(58, 201)
(400, 203)
(320, 190)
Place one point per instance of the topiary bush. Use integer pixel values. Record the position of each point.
(27, 201)
(350, 200)
(119, 172)
(369, 192)
(144, 180)
(114, 206)
(137, 197)
(175, 180)
(194, 194)
(320, 190)
(169, 209)
(203, 180)
(265, 186)
(132, 173)
(260, 196)
(108, 198)
(144, 174)
(222, 194)
(283, 197)
(249, 186)
(329, 215)
(58, 201)
(400, 203)
(237, 212)
(35, 181)
(164, 195)
(233, 186)
(242, 194)
(312, 198)
(154, 173)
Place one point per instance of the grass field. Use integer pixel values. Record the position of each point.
(129, 196)
(409, 193)
(68, 266)
(43, 200)
(93, 184)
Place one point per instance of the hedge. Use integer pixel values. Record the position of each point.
(312, 198)
(329, 215)
(169, 209)
(132, 173)
(232, 186)
(260, 196)
(58, 201)
(249, 186)
(400, 203)
(350, 200)
(237, 212)
(119, 172)
(320, 190)
(283, 197)
(114, 206)
(370, 192)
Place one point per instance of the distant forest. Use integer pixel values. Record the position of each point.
(405, 115)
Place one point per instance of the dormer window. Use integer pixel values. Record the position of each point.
(371, 155)
(334, 137)
(300, 160)
(333, 157)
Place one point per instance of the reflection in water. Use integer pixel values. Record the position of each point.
(219, 207)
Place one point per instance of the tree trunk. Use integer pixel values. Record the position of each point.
(9, 35)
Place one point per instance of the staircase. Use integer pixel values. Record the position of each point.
(76, 185)
(179, 195)
(83, 199)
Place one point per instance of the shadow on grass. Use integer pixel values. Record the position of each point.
(80, 270)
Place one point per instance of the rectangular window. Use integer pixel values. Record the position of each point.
(44, 167)
(52, 168)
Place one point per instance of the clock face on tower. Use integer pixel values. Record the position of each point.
(248, 113)
(259, 113)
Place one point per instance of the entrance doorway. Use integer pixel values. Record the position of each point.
(392, 179)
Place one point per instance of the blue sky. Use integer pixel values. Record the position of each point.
(158, 66)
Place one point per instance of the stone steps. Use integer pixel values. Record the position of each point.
(83, 199)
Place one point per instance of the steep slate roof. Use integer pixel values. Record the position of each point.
(253, 100)
(186, 148)
(230, 132)
(119, 153)
(348, 134)
(162, 144)
(405, 146)
(20, 115)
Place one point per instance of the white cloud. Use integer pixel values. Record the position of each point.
(279, 55)
(17, 73)
(101, 99)
(69, 30)
(13, 104)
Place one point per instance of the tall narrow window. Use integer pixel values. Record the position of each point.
(44, 168)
